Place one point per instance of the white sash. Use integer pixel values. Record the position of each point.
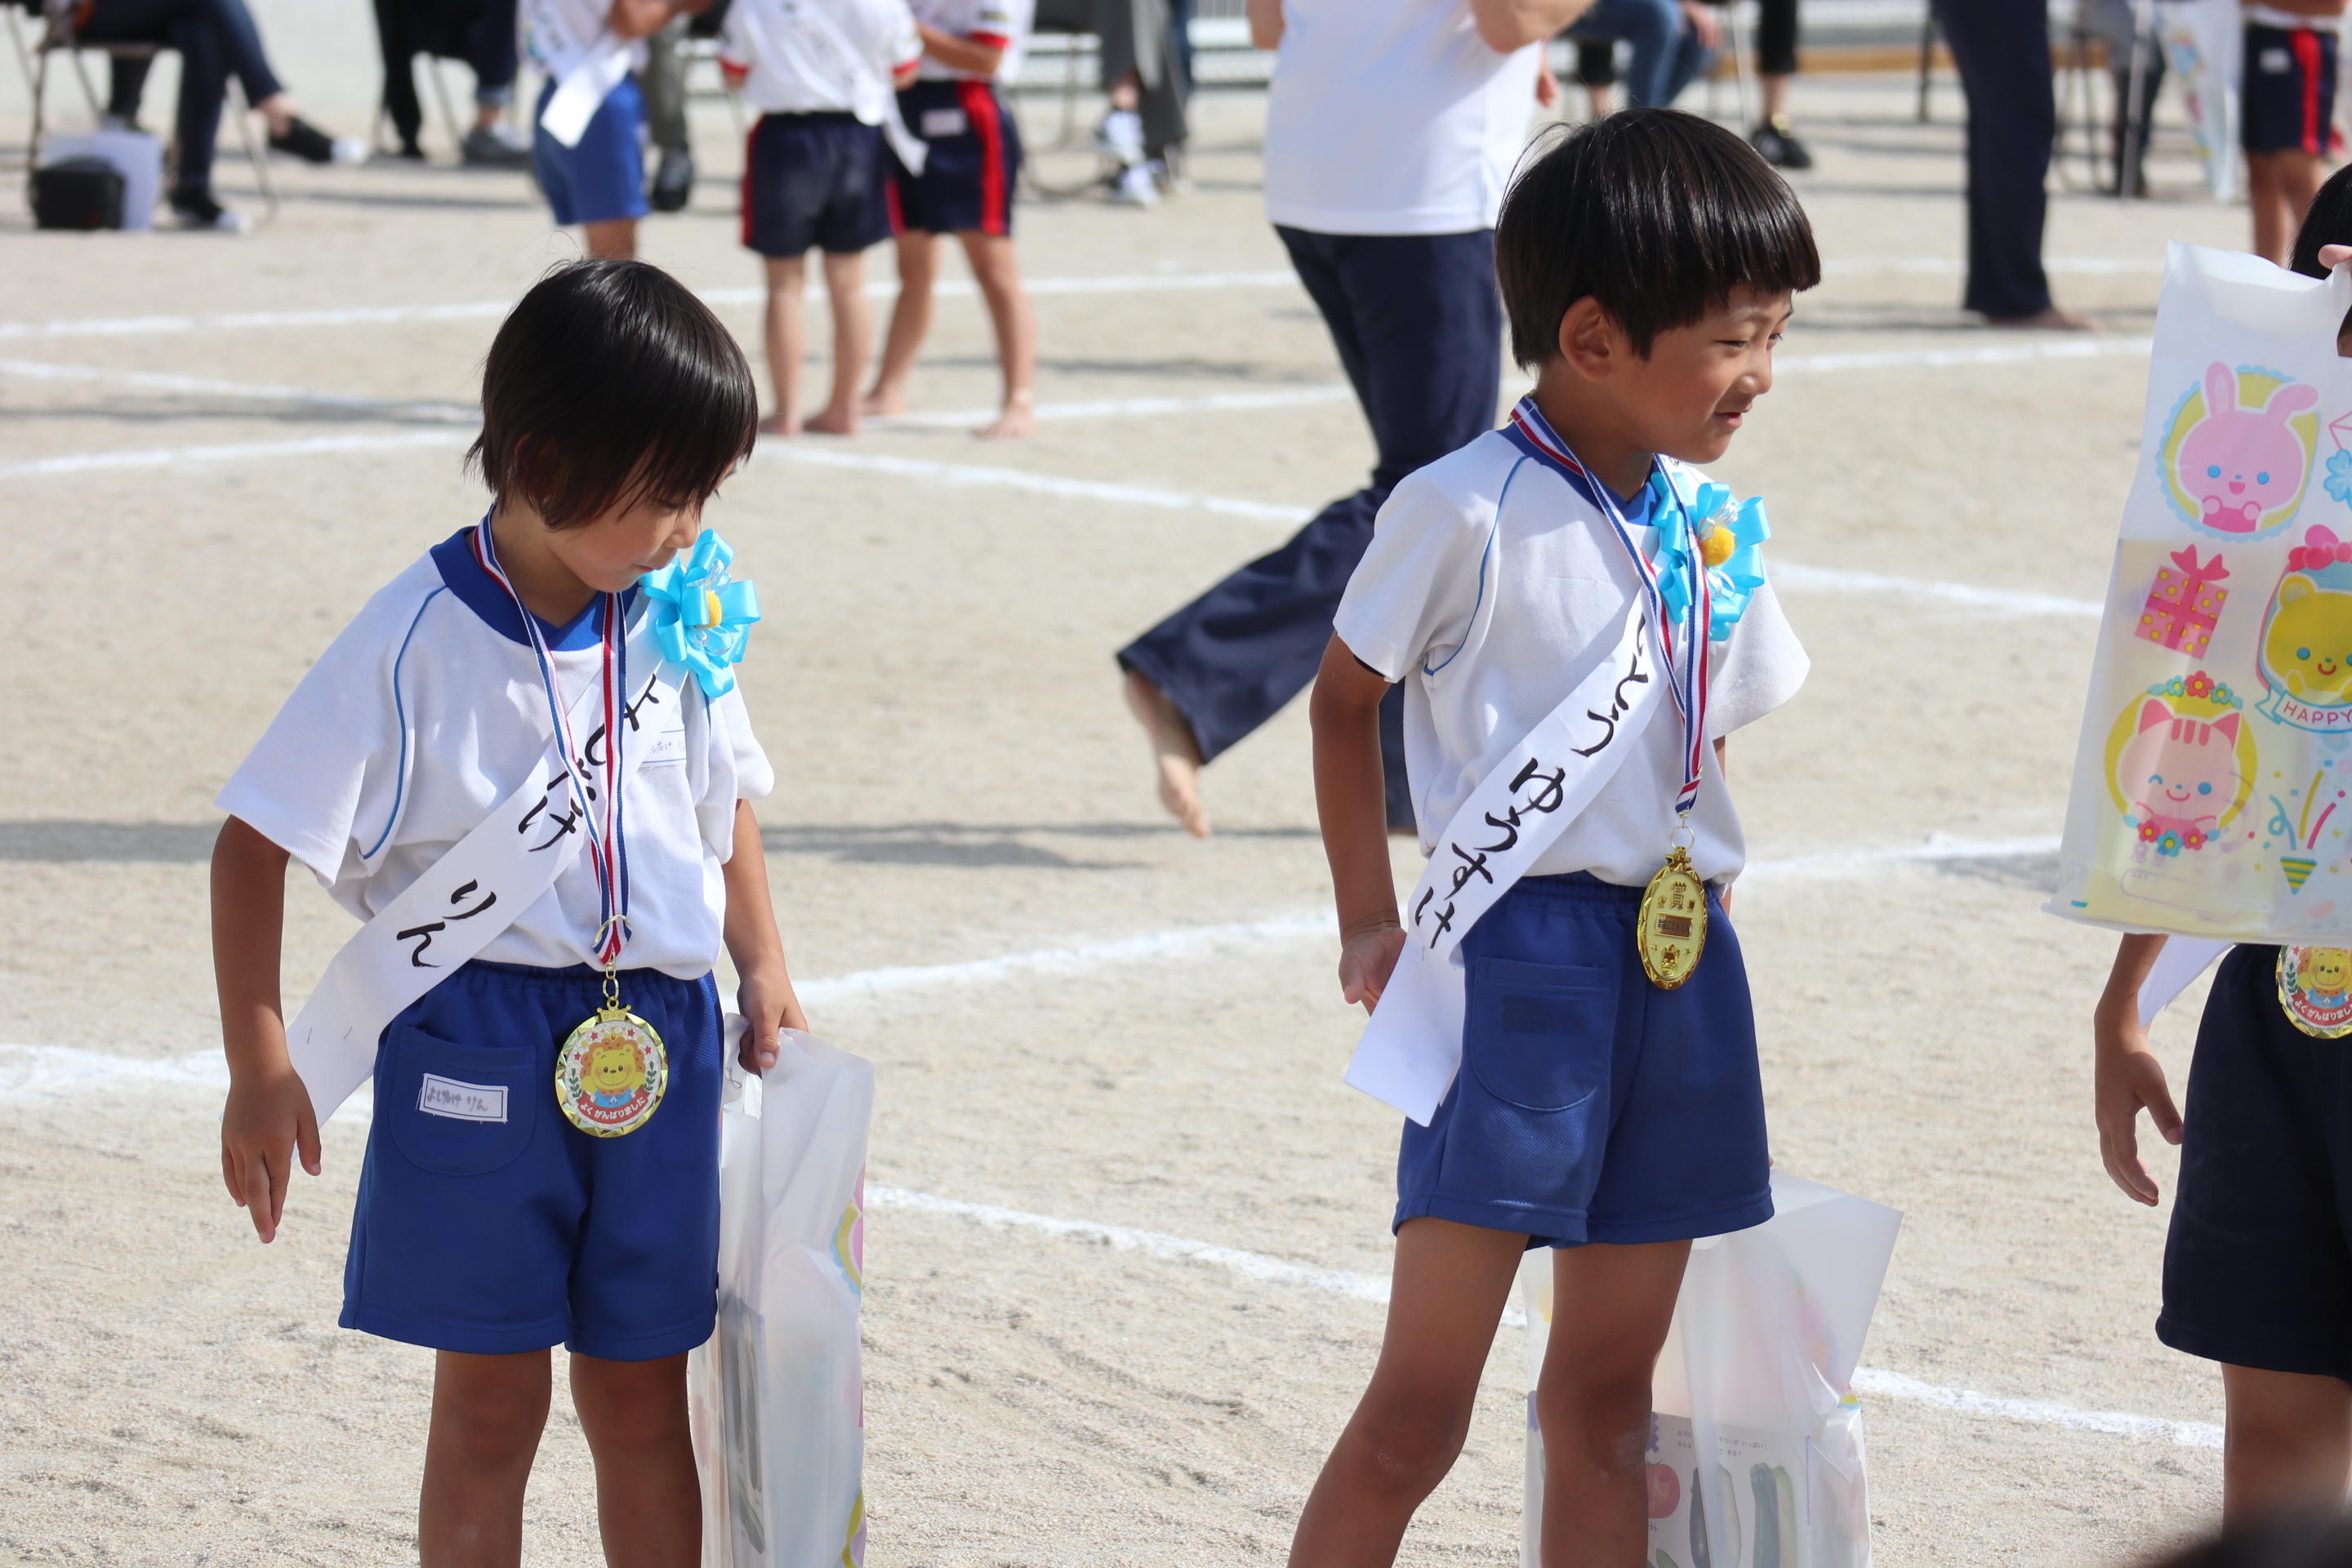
(456, 907)
(877, 100)
(587, 70)
(1411, 1047)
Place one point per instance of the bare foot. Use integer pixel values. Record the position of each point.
(1175, 751)
(779, 423)
(833, 422)
(2053, 320)
(1013, 423)
(881, 404)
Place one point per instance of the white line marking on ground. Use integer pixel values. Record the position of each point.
(2013, 600)
(1193, 942)
(171, 457)
(1967, 1402)
(1130, 408)
(1956, 266)
(38, 370)
(1945, 359)
(1023, 479)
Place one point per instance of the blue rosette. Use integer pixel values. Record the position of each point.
(702, 618)
(1729, 538)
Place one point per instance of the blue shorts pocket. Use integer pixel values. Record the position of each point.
(459, 1110)
(1539, 1035)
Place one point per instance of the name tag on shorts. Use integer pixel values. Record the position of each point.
(2276, 62)
(938, 122)
(462, 1102)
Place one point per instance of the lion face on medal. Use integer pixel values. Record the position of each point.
(611, 1074)
(2315, 988)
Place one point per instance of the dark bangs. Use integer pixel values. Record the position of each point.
(1657, 215)
(609, 384)
(2329, 222)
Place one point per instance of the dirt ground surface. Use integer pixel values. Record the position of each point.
(213, 449)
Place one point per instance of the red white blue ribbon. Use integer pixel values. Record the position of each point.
(600, 808)
(1687, 680)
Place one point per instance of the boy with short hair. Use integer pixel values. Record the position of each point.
(1569, 570)
(964, 188)
(823, 73)
(511, 767)
(588, 127)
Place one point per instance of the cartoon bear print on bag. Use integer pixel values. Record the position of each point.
(2309, 645)
(2236, 464)
(2178, 775)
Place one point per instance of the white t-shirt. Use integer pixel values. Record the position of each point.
(1393, 117)
(560, 33)
(427, 710)
(1492, 587)
(809, 57)
(1005, 23)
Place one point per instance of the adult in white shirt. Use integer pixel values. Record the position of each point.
(1391, 130)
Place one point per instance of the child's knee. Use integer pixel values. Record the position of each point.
(1597, 1411)
(488, 1422)
(1411, 1439)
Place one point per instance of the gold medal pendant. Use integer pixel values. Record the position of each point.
(612, 1072)
(2315, 988)
(1670, 930)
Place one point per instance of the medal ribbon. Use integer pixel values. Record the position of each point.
(607, 852)
(1687, 686)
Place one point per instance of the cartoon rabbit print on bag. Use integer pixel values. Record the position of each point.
(2178, 776)
(2236, 464)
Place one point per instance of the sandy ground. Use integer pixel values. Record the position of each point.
(958, 781)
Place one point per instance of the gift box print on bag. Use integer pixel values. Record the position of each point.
(2184, 602)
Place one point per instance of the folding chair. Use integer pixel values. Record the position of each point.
(57, 38)
(1735, 36)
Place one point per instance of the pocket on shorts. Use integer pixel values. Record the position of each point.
(461, 1110)
(1539, 1035)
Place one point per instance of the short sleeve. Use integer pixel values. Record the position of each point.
(1412, 596)
(738, 770)
(734, 48)
(1760, 669)
(902, 45)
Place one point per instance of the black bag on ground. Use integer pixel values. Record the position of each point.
(77, 192)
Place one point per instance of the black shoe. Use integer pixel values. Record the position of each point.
(192, 207)
(1779, 144)
(673, 185)
(313, 145)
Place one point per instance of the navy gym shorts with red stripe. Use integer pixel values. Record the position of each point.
(975, 156)
(2289, 91)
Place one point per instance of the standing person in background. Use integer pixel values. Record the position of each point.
(1147, 80)
(590, 161)
(665, 75)
(1776, 62)
(481, 32)
(1392, 128)
(2287, 113)
(964, 188)
(1672, 41)
(2002, 49)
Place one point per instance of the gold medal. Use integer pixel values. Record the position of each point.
(2315, 988)
(612, 1072)
(1670, 930)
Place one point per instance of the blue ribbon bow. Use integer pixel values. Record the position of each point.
(1683, 530)
(702, 619)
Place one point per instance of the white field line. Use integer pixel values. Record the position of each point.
(172, 456)
(1131, 407)
(1023, 479)
(2089, 347)
(2010, 601)
(1837, 266)
(2034, 1412)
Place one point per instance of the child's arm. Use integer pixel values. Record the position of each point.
(643, 18)
(1266, 23)
(960, 53)
(269, 1119)
(766, 993)
(1352, 800)
(2129, 1078)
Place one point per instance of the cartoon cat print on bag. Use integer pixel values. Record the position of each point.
(2237, 464)
(2178, 776)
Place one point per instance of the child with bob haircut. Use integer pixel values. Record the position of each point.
(515, 659)
(1607, 1103)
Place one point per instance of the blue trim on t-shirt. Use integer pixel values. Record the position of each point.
(480, 592)
(400, 712)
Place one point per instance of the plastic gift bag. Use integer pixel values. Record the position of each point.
(2204, 43)
(1755, 1454)
(777, 1397)
(2212, 790)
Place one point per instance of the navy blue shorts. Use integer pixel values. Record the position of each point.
(1593, 1106)
(975, 156)
(2257, 1263)
(493, 1236)
(815, 180)
(603, 179)
(2288, 94)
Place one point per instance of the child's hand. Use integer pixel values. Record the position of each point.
(269, 1121)
(2129, 1080)
(767, 1004)
(1366, 962)
(2335, 256)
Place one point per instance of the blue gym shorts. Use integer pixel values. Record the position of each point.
(603, 179)
(1593, 1106)
(815, 180)
(495, 1236)
(2258, 1262)
(2288, 91)
(975, 157)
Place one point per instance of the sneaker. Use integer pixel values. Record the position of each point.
(673, 185)
(495, 147)
(1120, 137)
(1137, 186)
(194, 207)
(307, 141)
(1776, 140)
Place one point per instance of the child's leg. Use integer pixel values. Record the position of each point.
(648, 1495)
(910, 321)
(998, 272)
(2300, 175)
(787, 339)
(1450, 1282)
(487, 1411)
(1612, 1308)
(852, 329)
(2266, 201)
(615, 239)
(2289, 1447)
